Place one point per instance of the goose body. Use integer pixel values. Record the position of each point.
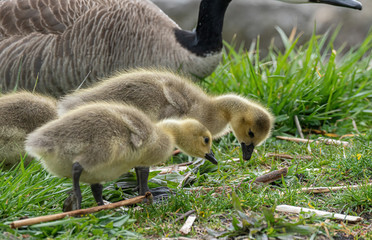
(21, 113)
(164, 94)
(57, 45)
(106, 140)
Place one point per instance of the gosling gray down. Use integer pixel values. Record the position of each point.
(21, 113)
(99, 142)
(58, 45)
(163, 94)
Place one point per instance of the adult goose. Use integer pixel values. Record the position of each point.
(57, 45)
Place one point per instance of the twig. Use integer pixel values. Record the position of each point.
(279, 156)
(184, 179)
(186, 214)
(176, 152)
(293, 209)
(186, 228)
(299, 129)
(272, 176)
(321, 140)
(31, 221)
(331, 189)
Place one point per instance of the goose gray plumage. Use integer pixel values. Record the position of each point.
(56, 45)
(21, 113)
(99, 142)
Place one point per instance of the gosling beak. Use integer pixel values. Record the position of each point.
(247, 150)
(341, 3)
(210, 156)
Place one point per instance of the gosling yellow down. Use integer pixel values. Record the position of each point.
(163, 94)
(99, 142)
(21, 113)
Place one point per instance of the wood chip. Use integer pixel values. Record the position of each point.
(186, 228)
(272, 176)
(186, 214)
(294, 209)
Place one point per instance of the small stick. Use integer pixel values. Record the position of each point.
(287, 156)
(321, 140)
(299, 129)
(176, 152)
(331, 189)
(186, 214)
(31, 221)
(184, 179)
(272, 176)
(186, 228)
(293, 209)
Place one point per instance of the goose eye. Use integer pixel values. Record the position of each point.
(206, 140)
(251, 134)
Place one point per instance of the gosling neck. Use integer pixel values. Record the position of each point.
(230, 105)
(171, 128)
(207, 39)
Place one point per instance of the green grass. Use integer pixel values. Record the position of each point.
(326, 88)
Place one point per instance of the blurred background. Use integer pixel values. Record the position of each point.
(246, 19)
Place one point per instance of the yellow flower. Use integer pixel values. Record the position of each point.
(359, 156)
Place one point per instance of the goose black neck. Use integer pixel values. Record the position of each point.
(208, 35)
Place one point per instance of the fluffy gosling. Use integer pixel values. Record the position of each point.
(99, 142)
(163, 94)
(21, 113)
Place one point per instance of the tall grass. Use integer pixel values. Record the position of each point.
(319, 84)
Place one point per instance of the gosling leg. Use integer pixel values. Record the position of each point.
(73, 202)
(159, 193)
(142, 174)
(97, 193)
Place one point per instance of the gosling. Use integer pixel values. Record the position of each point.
(163, 94)
(20, 114)
(99, 142)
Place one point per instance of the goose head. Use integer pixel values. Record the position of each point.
(340, 3)
(206, 39)
(192, 137)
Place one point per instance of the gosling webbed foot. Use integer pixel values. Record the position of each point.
(73, 202)
(161, 194)
(97, 193)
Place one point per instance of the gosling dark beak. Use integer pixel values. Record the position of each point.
(341, 3)
(247, 151)
(210, 156)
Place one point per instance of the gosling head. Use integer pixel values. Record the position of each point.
(251, 128)
(192, 137)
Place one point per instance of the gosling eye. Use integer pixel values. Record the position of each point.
(206, 140)
(251, 134)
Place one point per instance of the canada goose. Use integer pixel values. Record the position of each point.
(163, 94)
(99, 142)
(21, 113)
(57, 44)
